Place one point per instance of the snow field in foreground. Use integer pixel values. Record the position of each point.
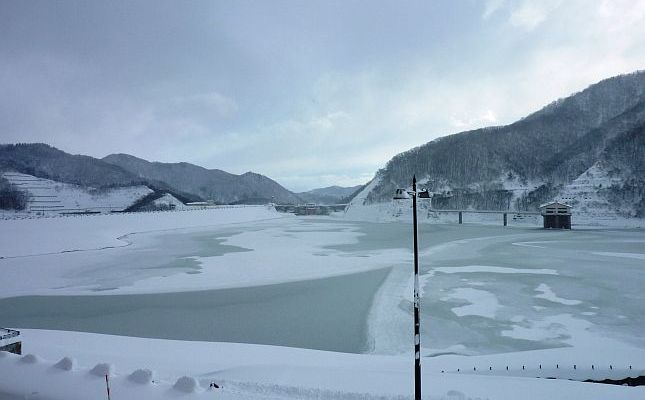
(154, 369)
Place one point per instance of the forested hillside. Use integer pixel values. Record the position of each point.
(209, 184)
(48, 162)
(520, 165)
(185, 181)
(330, 194)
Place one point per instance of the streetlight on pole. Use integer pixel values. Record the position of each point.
(402, 194)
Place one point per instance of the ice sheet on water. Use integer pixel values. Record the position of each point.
(637, 256)
(482, 303)
(494, 270)
(548, 294)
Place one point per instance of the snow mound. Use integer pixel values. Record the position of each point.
(186, 384)
(102, 369)
(142, 376)
(66, 364)
(30, 359)
(4, 354)
(455, 395)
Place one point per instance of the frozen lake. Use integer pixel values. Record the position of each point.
(337, 285)
(326, 314)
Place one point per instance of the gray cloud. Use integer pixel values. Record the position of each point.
(309, 93)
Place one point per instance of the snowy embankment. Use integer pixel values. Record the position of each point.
(156, 369)
(48, 197)
(589, 196)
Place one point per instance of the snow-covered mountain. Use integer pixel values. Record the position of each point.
(587, 149)
(209, 184)
(330, 194)
(48, 162)
(186, 182)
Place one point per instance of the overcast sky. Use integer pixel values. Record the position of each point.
(309, 93)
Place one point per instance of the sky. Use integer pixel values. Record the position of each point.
(310, 93)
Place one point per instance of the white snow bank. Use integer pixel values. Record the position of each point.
(268, 372)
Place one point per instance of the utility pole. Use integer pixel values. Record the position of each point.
(417, 337)
(402, 194)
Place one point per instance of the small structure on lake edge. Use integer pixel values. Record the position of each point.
(10, 341)
(556, 215)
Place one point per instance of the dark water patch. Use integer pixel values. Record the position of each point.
(629, 381)
(325, 314)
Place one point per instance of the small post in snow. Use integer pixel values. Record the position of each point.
(107, 386)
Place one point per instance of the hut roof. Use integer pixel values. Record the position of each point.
(555, 203)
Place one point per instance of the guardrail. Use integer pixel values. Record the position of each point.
(616, 374)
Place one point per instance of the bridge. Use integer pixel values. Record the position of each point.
(504, 213)
(325, 209)
(310, 208)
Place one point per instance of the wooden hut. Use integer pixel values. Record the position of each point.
(556, 215)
